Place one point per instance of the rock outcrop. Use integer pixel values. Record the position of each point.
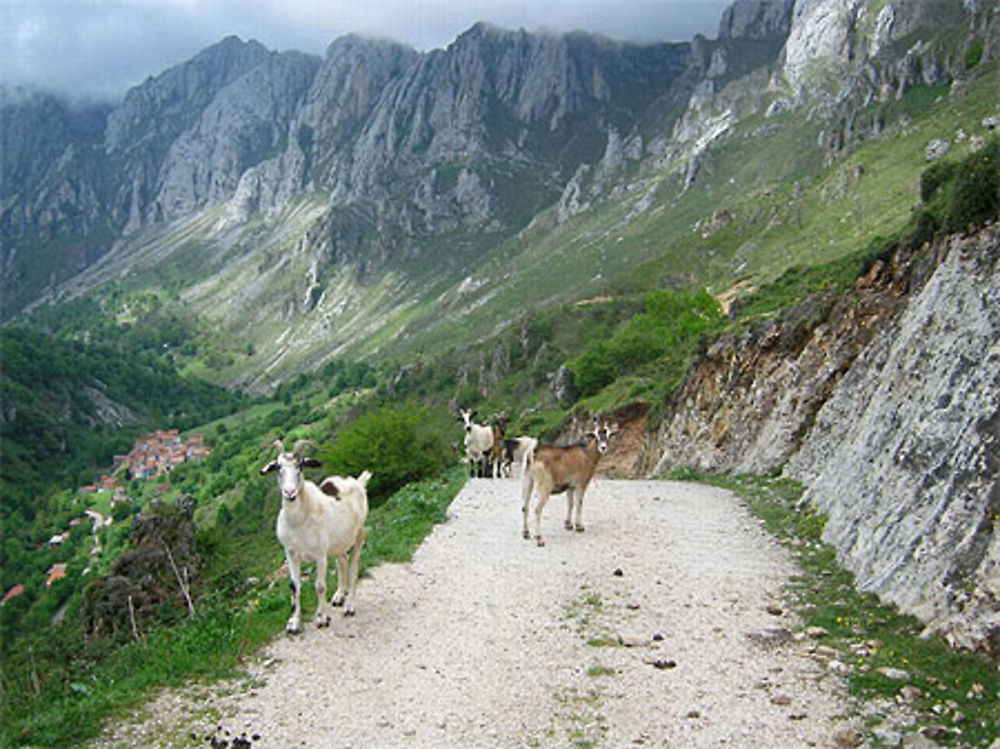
(885, 404)
(152, 578)
(756, 19)
(904, 457)
(749, 404)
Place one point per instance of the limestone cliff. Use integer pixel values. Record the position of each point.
(904, 457)
(480, 136)
(885, 404)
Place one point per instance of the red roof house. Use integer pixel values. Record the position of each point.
(57, 572)
(12, 593)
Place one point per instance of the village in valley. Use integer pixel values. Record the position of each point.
(152, 456)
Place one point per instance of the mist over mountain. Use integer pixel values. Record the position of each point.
(420, 142)
(244, 165)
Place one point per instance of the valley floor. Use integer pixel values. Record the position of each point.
(663, 625)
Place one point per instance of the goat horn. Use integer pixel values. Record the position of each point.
(279, 446)
(300, 446)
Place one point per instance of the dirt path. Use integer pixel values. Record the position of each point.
(485, 640)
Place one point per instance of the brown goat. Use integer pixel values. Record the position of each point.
(497, 451)
(553, 469)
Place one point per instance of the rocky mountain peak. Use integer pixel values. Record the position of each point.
(756, 19)
(839, 37)
(166, 102)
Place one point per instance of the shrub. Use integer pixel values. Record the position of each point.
(397, 444)
(594, 368)
(934, 176)
(972, 196)
(958, 196)
(973, 54)
(672, 323)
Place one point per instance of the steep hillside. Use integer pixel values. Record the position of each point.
(66, 408)
(381, 202)
(400, 146)
(882, 400)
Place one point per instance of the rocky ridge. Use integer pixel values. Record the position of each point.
(420, 143)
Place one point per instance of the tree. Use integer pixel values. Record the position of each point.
(397, 444)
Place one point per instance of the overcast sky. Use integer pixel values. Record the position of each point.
(100, 48)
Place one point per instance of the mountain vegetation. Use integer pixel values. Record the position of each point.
(258, 245)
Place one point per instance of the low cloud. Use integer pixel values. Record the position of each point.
(100, 48)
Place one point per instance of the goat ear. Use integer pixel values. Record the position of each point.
(328, 487)
(272, 466)
(310, 463)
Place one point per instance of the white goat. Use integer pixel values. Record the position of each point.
(553, 469)
(478, 444)
(516, 451)
(316, 523)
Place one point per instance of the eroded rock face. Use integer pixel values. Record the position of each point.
(885, 404)
(904, 457)
(754, 397)
(756, 19)
(821, 30)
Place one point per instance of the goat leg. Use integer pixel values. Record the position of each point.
(322, 618)
(341, 593)
(527, 484)
(543, 497)
(352, 579)
(294, 624)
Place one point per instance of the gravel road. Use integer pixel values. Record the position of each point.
(661, 626)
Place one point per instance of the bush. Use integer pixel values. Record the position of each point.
(672, 322)
(398, 445)
(959, 196)
(972, 196)
(974, 54)
(934, 176)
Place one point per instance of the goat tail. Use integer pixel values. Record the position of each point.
(529, 457)
(363, 478)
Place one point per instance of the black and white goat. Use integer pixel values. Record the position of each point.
(316, 523)
(552, 469)
(516, 450)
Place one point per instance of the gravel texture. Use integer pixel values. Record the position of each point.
(662, 625)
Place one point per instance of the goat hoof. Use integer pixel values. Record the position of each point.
(568, 525)
(526, 534)
(293, 628)
(349, 612)
(336, 601)
(323, 623)
(580, 528)
(540, 541)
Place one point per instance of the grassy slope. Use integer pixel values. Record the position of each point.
(782, 207)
